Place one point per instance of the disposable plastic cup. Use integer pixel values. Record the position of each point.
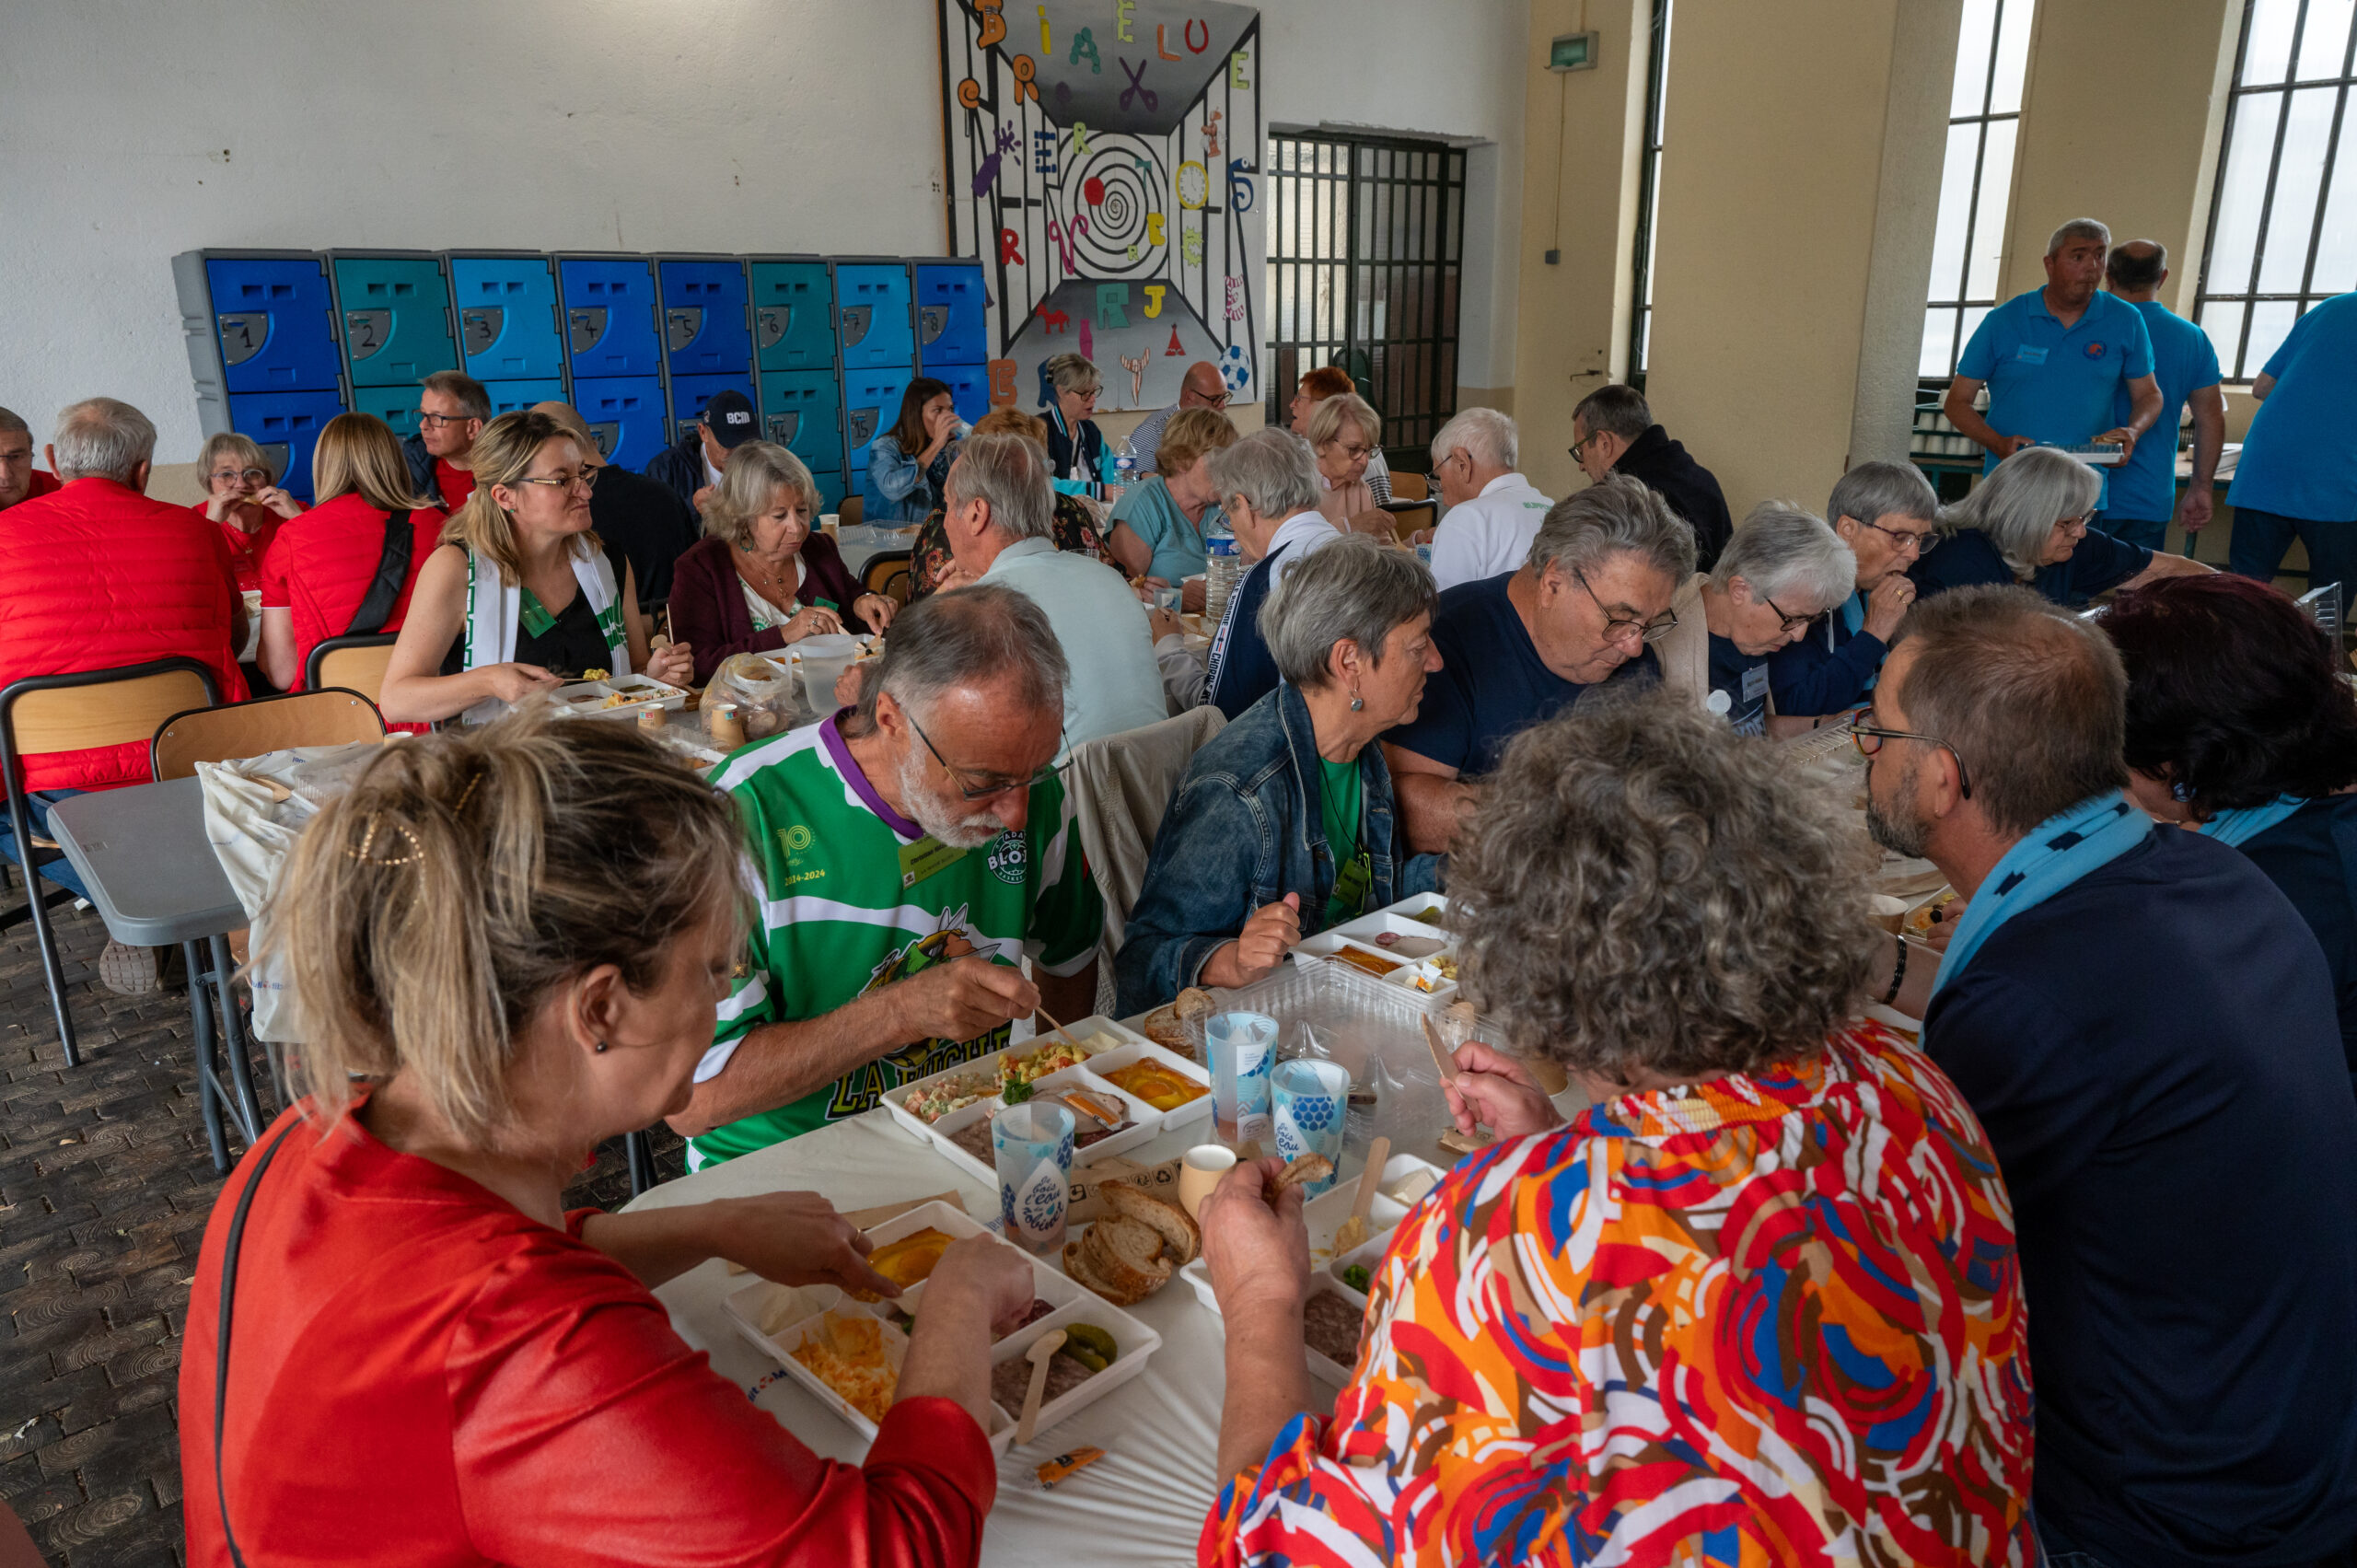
(1312, 1104)
(1243, 1046)
(1033, 1148)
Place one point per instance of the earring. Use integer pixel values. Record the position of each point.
(1357, 702)
(2179, 791)
(599, 1047)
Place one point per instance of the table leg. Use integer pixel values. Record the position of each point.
(233, 1035)
(208, 1103)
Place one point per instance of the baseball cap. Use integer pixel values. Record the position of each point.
(730, 417)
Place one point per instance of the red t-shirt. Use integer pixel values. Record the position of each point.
(246, 550)
(455, 484)
(320, 564)
(419, 1373)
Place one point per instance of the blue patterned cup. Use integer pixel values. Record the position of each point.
(1241, 1046)
(1313, 1101)
(1033, 1148)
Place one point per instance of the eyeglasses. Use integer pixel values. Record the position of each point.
(2079, 524)
(251, 476)
(1922, 543)
(424, 418)
(1860, 735)
(1617, 626)
(986, 790)
(587, 479)
(1792, 622)
(1580, 443)
(1203, 401)
(1349, 451)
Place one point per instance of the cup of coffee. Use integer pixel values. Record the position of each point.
(1199, 1172)
(831, 523)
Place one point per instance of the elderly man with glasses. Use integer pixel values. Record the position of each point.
(452, 409)
(913, 851)
(1492, 512)
(1888, 516)
(1522, 647)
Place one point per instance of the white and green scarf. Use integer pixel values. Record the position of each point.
(495, 609)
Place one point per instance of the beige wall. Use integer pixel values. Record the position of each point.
(1800, 172)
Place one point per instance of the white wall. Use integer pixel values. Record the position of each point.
(136, 129)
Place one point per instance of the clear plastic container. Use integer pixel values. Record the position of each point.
(1224, 568)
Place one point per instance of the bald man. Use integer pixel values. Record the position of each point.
(1200, 387)
(643, 518)
(2143, 489)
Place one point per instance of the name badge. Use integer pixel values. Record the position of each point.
(2029, 355)
(1755, 683)
(924, 857)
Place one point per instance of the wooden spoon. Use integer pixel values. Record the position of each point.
(1353, 1231)
(1042, 1348)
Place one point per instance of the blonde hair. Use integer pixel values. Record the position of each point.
(1190, 432)
(427, 914)
(229, 442)
(1013, 422)
(502, 454)
(749, 484)
(359, 452)
(1326, 420)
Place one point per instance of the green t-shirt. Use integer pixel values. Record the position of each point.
(1342, 802)
(835, 921)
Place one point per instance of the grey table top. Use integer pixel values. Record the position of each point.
(142, 854)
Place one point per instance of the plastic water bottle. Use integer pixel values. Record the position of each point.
(1223, 570)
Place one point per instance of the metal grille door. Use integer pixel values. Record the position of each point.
(1366, 238)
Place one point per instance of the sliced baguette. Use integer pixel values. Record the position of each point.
(1127, 1255)
(1307, 1169)
(1076, 1265)
(1181, 1236)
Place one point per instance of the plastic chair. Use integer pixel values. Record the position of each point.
(852, 512)
(356, 663)
(44, 713)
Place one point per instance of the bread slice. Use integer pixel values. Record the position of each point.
(1076, 1265)
(1307, 1168)
(1181, 1236)
(1127, 1255)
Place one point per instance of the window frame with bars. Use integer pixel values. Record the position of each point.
(1414, 398)
(1641, 314)
(1968, 307)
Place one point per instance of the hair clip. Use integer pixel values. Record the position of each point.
(369, 842)
(469, 793)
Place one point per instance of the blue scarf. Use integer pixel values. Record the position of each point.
(2050, 857)
(2249, 821)
(1853, 613)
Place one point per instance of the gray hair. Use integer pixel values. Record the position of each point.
(1011, 473)
(471, 393)
(1073, 373)
(12, 423)
(1487, 436)
(2018, 505)
(1619, 516)
(1615, 408)
(1274, 470)
(1783, 549)
(1879, 490)
(2078, 229)
(963, 638)
(101, 439)
(242, 448)
(1327, 419)
(1353, 587)
(1642, 893)
(750, 481)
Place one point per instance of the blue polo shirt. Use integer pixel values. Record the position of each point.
(2299, 460)
(2051, 383)
(2184, 361)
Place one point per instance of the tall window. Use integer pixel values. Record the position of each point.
(1641, 328)
(1976, 185)
(2284, 220)
(1367, 244)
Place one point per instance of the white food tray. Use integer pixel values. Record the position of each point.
(1323, 1366)
(1405, 1179)
(746, 1306)
(1147, 1120)
(594, 699)
(1394, 935)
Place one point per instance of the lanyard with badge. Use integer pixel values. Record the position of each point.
(1354, 877)
(926, 857)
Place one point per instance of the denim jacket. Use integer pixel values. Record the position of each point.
(1245, 830)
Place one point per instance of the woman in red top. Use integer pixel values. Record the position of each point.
(510, 943)
(319, 571)
(242, 498)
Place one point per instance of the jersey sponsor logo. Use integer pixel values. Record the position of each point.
(1011, 858)
(797, 839)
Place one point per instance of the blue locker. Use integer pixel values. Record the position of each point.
(285, 425)
(952, 320)
(969, 388)
(831, 489)
(871, 407)
(396, 316)
(707, 317)
(612, 315)
(509, 326)
(872, 315)
(689, 393)
(626, 416)
(506, 397)
(260, 322)
(802, 412)
(397, 406)
(794, 315)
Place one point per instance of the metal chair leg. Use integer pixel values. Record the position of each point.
(208, 1103)
(233, 1036)
(51, 970)
(638, 1155)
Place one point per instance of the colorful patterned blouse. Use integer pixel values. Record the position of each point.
(1075, 532)
(1771, 1320)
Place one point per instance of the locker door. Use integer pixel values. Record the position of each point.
(707, 318)
(509, 326)
(612, 315)
(871, 404)
(802, 412)
(397, 406)
(831, 489)
(951, 305)
(794, 315)
(626, 416)
(970, 388)
(285, 425)
(396, 314)
(274, 321)
(506, 397)
(872, 315)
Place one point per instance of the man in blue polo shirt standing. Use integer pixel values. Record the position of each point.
(2298, 473)
(2054, 359)
(2143, 489)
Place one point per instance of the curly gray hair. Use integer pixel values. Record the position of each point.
(1642, 893)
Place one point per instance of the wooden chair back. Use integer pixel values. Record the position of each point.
(356, 663)
(852, 512)
(329, 717)
(113, 713)
(1409, 486)
(875, 577)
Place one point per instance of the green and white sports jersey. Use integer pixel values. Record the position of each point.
(836, 922)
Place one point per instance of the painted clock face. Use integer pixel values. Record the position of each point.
(1194, 185)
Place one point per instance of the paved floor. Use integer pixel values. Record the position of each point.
(105, 1188)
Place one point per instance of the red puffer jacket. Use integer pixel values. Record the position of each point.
(97, 576)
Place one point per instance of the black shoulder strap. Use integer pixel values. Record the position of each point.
(392, 573)
(221, 1330)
